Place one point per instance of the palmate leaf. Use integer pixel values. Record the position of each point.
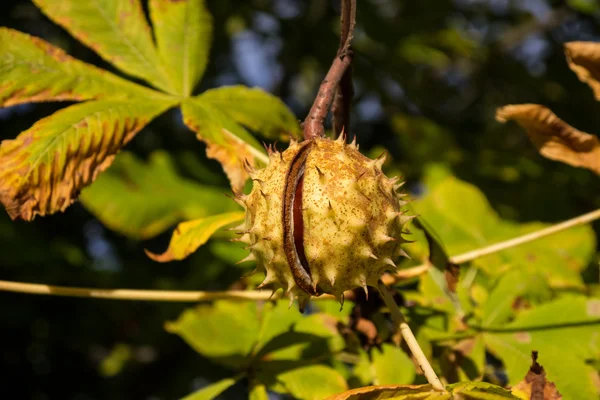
(118, 31)
(183, 31)
(226, 141)
(142, 199)
(45, 167)
(31, 69)
(256, 109)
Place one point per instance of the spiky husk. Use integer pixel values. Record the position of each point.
(352, 219)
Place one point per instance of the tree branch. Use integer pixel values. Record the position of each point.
(194, 296)
(338, 72)
(401, 324)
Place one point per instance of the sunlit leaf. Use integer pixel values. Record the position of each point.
(45, 167)
(192, 234)
(554, 138)
(312, 336)
(313, 382)
(545, 329)
(226, 141)
(258, 110)
(31, 69)
(223, 331)
(142, 200)
(212, 391)
(183, 31)
(464, 221)
(512, 286)
(117, 30)
(391, 365)
(584, 60)
(258, 391)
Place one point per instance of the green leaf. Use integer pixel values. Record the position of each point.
(277, 319)
(212, 391)
(192, 234)
(258, 110)
(564, 332)
(45, 167)
(32, 70)
(470, 358)
(313, 382)
(226, 141)
(309, 337)
(118, 357)
(258, 391)
(183, 31)
(392, 366)
(115, 29)
(141, 199)
(515, 284)
(479, 391)
(223, 331)
(464, 221)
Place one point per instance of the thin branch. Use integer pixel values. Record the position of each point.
(131, 294)
(314, 123)
(497, 247)
(494, 248)
(194, 296)
(401, 324)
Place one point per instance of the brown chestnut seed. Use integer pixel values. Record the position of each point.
(322, 218)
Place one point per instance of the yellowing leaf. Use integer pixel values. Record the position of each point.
(192, 234)
(554, 138)
(584, 60)
(31, 69)
(258, 110)
(404, 392)
(226, 141)
(117, 30)
(45, 167)
(183, 31)
(142, 200)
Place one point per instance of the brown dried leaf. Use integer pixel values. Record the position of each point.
(535, 386)
(584, 60)
(554, 138)
(45, 167)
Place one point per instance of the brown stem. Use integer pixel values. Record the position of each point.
(341, 104)
(338, 72)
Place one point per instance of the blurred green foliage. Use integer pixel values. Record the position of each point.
(429, 76)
